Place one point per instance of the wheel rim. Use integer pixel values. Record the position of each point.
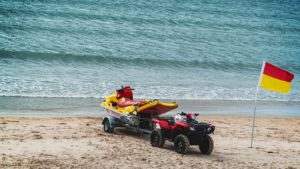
(179, 146)
(155, 140)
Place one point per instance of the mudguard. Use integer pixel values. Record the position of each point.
(112, 121)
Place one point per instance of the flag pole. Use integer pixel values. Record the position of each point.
(255, 103)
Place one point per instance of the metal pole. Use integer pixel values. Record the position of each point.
(254, 113)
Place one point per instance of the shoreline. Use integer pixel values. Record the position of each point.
(91, 106)
(163, 99)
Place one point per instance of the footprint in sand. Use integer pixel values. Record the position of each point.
(272, 128)
(37, 136)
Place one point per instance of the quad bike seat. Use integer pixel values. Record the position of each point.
(171, 121)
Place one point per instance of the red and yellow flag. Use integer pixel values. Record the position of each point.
(275, 79)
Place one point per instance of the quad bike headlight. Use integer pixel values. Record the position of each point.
(157, 126)
(192, 128)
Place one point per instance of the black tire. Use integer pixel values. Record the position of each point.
(156, 139)
(207, 145)
(181, 144)
(106, 127)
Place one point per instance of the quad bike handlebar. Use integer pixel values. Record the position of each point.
(185, 114)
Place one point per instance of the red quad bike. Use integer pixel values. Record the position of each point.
(184, 133)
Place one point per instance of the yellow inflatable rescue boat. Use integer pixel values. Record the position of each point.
(122, 103)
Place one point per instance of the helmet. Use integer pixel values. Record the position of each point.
(178, 118)
(190, 116)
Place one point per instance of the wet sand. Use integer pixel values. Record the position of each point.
(79, 142)
(55, 106)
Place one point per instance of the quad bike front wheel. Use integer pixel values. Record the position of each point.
(181, 144)
(207, 145)
(156, 139)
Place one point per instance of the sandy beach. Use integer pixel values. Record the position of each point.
(59, 60)
(79, 142)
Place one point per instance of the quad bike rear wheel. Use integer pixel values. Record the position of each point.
(207, 145)
(181, 144)
(156, 139)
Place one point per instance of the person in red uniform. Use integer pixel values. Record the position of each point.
(125, 97)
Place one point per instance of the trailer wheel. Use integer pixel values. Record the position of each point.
(156, 139)
(106, 126)
(181, 144)
(207, 145)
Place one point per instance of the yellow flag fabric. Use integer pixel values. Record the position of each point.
(276, 79)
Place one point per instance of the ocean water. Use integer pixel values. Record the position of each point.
(170, 49)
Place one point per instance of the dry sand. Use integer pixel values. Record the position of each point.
(79, 142)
